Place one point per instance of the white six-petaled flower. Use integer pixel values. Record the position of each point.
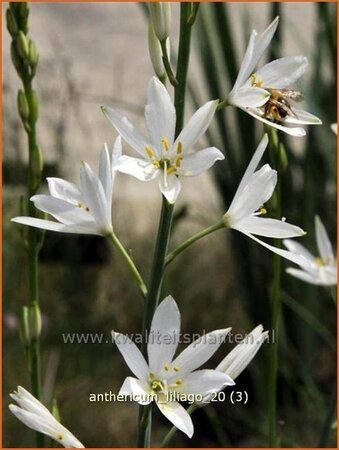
(320, 270)
(36, 416)
(84, 210)
(254, 190)
(163, 156)
(166, 379)
(261, 93)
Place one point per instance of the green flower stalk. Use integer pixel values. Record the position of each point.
(25, 59)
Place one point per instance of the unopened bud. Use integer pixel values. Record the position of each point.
(22, 45)
(34, 321)
(24, 326)
(16, 60)
(23, 107)
(12, 25)
(34, 105)
(33, 56)
(155, 52)
(160, 16)
(23, 10)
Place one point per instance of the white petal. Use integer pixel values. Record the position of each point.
(48, 426)
(321, 277)
(27, 401)
(258, 191)
(272, 228)
(171, 188)
(116, 151)
(196, 163)
(89, 227)
(282, 72)
(295, 247)
(296, 132)
(334, 128)
(132, 356)
(64, 190)
(126, 129)
(205, 382)
(240, 357)
(94, 197)
(105, 173)
(302, 118)
(164, 335)
(297, 259)
(253, 164)
(197, 125)
(159, 113)
(199, 351)
(256, 47)
(63, 211)
(323, 242)
(245, 97)
(141, 169)
(177, 414)
(137, 389)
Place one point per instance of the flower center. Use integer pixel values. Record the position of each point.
(256, 82)
(319, 261)
(169, 164)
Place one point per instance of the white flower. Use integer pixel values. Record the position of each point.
(165, 379)
(334, 127)
(320, 270)
(240, 357)
(254, 190)
(162, 156)
(36, 416)
(263, 94)
(84, 210)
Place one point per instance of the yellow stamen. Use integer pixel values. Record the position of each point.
(60, 437)
(166, 367)
(175, 369)
(179, 382)
(319, 261)
(165, 144)
(263, 210)
(156, 385)
(156, 164)
(171, 170)
(149, 152)
(178, 161)
(256, 82)
(179, 148)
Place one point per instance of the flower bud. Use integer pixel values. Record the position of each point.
(12, 25)
(33, 55)
(16, 60)
(22, 45)
(160, 16)
(155, 52)
(24, 326)
(34, 105)
(23, 107)
(34, 321)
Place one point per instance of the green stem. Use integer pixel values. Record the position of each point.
(192, 239)
(136, 274)
(275, 305)
(330, 417)
(167, 64)
(165, 223)
(33, 253)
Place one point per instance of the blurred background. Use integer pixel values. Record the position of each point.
(93, 54)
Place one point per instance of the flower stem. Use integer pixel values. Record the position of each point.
(192, 239)
(274, 146)
(136, 274)
(166, 216)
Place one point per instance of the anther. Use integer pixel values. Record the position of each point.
(149, 152)
(165, 144)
